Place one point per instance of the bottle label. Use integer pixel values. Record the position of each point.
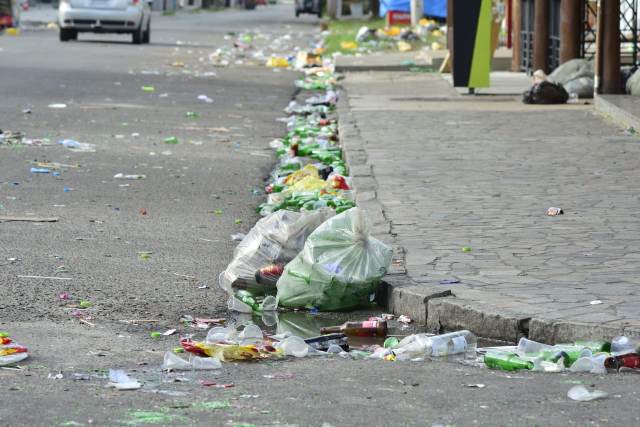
(370, 324)
(269, 249)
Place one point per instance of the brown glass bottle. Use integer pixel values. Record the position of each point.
(368, 328)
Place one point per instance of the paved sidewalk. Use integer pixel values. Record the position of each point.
(440, 171)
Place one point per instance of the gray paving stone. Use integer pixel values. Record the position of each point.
(470, 172)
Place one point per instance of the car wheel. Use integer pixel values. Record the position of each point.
(146, 37)
(67, 34)
(138, 35)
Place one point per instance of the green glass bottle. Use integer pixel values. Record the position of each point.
(247, 298)
(506, 361)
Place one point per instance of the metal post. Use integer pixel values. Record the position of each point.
(509, 23)
(417, 10)
(634, 32)
(570, 26)
(610, 53)
(516, 18)
(541, 36)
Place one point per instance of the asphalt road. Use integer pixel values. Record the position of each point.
(194, 195)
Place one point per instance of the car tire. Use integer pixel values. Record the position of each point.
(137, 37)
(67, 34)
(146, 37)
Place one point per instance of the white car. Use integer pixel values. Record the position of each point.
(105, 16)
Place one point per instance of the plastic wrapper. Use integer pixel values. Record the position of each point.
(307, 171)
(339, 267)
(11, 352)
(226, 352)
(277, 238)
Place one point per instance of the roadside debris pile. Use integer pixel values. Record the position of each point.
(8, 137)
(227, 344)
(300, 252)
(427, 33)
(596, 357)
(11, 352)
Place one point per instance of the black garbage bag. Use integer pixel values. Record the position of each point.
(545, 92)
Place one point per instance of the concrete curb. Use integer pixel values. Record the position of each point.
(437, 306)
(498, 64)
(605, 106)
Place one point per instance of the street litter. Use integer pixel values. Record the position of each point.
(596, 357)
(57, 106)
(205, 99)
(44, 277)
(119, 380)
(77, 146)
(9, 218)
(372, 327)
(275, 239)
(176, 363)
(40, 170)
(11, 352)
(583, 394)
(132, 177)
(554, 211)
(405, 319)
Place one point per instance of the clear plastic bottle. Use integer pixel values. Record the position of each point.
(453, 343)
(624, 345)
(436, 345)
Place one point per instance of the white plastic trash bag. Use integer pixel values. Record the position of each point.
(276, 238)
(339, 267)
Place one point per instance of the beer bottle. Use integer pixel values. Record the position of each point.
(506, 361)
(368, 328)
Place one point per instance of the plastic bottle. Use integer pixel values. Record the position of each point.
(623, 345)
(453, 343)
(506, 361)
(437, 345)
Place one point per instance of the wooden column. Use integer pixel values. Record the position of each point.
(570, 27)
(609, 47)
(516, 27)
(541, 36)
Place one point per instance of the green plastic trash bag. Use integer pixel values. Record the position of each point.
(339, 267)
